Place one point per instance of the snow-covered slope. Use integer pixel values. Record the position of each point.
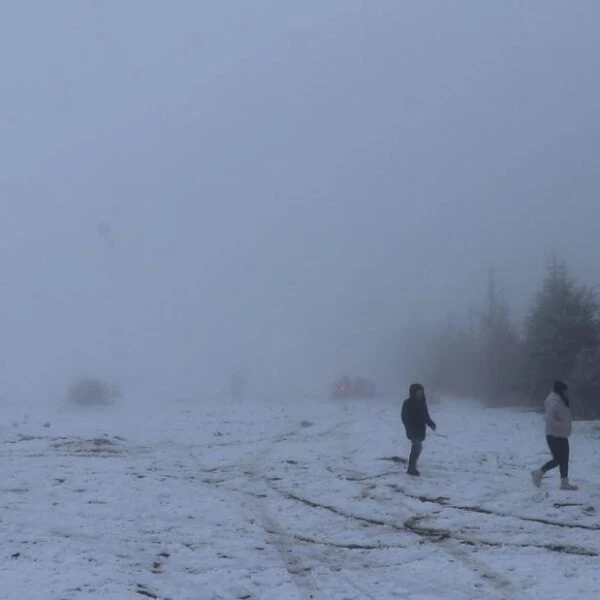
(264, 501)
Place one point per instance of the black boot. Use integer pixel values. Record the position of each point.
(415, 452)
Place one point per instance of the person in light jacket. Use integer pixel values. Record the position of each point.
(558, 429)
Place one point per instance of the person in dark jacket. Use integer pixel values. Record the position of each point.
(415, 417)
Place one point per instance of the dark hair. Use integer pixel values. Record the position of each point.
(414, 388)
(560, 387)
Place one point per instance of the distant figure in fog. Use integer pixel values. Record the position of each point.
(415, 417)
(558, 429)
(237, 385)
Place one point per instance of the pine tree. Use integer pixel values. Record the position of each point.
(562, 329)
(585, 380)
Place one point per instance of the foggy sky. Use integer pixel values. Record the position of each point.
(285, 182)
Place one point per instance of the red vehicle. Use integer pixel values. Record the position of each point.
(361, 387)
(343, 388)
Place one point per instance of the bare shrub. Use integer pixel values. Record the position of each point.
(92, 392)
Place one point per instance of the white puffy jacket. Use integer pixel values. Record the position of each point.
(558, 417)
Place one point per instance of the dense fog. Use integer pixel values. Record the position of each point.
(281, 189)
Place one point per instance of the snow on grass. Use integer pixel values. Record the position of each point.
(219, 500)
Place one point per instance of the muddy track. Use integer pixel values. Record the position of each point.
(283, 543)
(459, 544)
(446, 502)
(423, 535)
(333, 509)
(414, 525)
(282, 437)
(339, 512)
(489, 578)
(348, 546)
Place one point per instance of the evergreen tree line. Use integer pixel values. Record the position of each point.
(489, 355)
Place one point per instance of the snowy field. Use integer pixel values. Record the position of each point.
(259, 501)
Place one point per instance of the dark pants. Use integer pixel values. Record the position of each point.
(415, 452)
(560, 455)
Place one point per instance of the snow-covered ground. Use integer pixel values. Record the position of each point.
(270, 501)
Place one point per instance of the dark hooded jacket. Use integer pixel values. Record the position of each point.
(415, 415)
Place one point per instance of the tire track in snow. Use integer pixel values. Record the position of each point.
(441, 534)
(443, 539)
(285, 542)
(255, 503)
(444, 534)
(490, 578)
(274, 439)
(282, 542)
(445, 502)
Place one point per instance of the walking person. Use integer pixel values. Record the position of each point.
(415, 417)
(558, 429)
